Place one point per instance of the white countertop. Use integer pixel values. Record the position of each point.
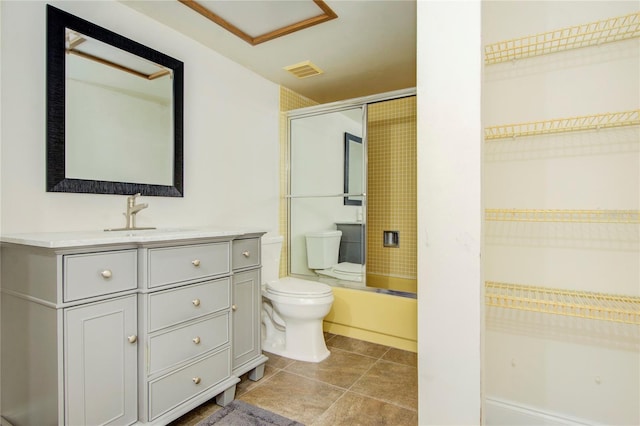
(90, 238)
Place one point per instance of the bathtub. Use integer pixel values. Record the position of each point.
(379, 316)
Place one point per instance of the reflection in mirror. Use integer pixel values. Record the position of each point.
(118, 115)
(385, 125)
(114, 112)
(317, 193)
(353, 173)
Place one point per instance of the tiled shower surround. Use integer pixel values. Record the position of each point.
(391, 190)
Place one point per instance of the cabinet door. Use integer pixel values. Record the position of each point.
(100, 361)
(246, 308)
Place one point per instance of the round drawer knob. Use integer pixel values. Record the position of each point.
(234, 308)
(132, 339)
(246, 253)
(196, 380)
(196, 340)
(106, 273)
(196, 262)
(196, 302)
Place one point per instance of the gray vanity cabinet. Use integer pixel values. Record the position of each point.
(352, 242)
(246, 308)
(121, 330)
(100, 356)
(69, 336)
(185, 307)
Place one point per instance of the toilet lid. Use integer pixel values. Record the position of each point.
(296, 287)
(348, 268)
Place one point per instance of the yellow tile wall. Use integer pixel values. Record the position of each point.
(391, 187)
(289, 100)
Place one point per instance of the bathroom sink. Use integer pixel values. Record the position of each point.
(129, 229)
(146, 231)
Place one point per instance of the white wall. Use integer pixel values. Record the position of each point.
(449, 213)
(543, 368)
(230, 132)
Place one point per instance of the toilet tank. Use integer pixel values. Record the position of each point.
(322, 249)
(271, 249)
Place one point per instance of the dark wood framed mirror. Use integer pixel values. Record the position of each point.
(353, 164)
(114, 112)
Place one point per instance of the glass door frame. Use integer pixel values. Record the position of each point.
(339, 106)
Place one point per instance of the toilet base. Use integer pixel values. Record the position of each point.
(306, 342)
(292, 322)
(281, 350)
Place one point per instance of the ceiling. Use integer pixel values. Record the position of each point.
(369, 48)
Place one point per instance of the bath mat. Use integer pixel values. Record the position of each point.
(238, 413)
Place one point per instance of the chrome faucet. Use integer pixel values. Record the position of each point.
(132, 210)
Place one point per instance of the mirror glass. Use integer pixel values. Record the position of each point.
(114, 112)
(353, 169)
(317, 194)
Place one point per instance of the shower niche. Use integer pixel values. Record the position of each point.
(351, 168)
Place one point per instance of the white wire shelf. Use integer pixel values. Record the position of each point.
(581, 216)
(582, 304)
(574, 37)
(563, 125)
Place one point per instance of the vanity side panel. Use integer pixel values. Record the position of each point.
(30, 391)
(30, 271)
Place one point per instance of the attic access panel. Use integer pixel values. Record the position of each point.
(288, 17)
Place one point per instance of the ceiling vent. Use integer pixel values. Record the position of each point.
(304, 69)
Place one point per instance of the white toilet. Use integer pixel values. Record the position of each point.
(292, 310)
(322, 256)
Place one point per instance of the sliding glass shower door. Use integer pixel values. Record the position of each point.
(327, 186)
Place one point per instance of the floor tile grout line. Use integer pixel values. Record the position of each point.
(261, 382)
(329, 407)
(381, 358)
(358, 353)
(344, 391)
(372, 397)
(395, 404)
(317, 380)
(352, 352)
(362, 375)
(339, 388)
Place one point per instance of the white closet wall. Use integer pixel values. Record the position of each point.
(563, 212)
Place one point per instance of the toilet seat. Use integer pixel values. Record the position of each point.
(348, 268)
(346, 271)
(294, 287)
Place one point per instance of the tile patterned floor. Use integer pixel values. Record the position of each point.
(360, 383)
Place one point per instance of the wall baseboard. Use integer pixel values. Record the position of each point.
(508, 413)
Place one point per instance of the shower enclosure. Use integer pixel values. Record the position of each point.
(351, 167)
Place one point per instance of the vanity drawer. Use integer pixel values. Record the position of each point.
(171, 307)
(171, 390)
(246, 253)
(178, 264)
(169, 348)
(96, 274)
